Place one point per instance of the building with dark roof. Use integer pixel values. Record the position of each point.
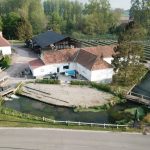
(94, 64)
(52, 41)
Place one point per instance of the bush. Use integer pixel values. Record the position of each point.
(80, 83)
(147, 118)
(5, 62)
(47, 81)
(103, 87)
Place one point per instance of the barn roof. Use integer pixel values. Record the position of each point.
(91, 61)
(36, 63)
(3, 42)
(47, 38)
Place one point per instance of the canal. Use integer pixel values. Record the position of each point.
(29, 106)
(119, 112)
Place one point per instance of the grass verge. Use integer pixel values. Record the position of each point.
(11, 121)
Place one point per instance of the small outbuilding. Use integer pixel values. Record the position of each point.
(5, 47)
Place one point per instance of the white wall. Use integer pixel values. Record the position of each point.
(5, 50)
(83, 71)
(47, 69)
(103, 75)
(108, 60)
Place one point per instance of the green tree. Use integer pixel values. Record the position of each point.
(1, 23)
(10, 24)
(100, 16)
(129, 54)
(140, 12)
(24, 30)
(36, 16)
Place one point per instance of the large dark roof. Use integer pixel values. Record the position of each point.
(47, 38)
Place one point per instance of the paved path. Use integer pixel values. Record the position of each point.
(53, 139)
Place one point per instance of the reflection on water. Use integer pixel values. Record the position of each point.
(30, 106)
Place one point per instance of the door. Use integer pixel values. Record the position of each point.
(58, 70)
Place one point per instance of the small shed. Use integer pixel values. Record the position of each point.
(5, 48)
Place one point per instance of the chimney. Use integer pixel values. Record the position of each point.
(1, 34)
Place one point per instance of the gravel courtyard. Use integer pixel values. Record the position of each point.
(73, 95)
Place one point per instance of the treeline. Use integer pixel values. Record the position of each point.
(20, 19)
(140, 13)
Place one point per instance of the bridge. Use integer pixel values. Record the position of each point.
(142, 99)
(141, 92)
(7, 91)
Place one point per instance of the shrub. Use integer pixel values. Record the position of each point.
(80, 83)
(5, 62)
(147, 118)
(47, 81)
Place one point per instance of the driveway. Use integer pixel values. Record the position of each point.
(20, 58)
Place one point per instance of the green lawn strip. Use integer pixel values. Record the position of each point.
(11, 121)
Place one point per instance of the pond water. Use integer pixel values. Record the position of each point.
(29, 106)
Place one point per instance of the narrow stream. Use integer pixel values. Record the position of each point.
(29, 106)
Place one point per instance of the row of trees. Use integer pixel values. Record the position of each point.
(27, 17)
(22, 18)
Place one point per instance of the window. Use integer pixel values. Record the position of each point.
(65, 67)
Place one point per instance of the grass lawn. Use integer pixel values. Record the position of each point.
(11, 121)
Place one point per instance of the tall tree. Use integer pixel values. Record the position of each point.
(140, 12)
(24, 29)
(10, 24)
(1, 23)
(36, 16)
(129, 52)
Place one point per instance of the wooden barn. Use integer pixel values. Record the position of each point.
(52, 41)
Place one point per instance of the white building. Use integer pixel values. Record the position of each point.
(5, 48)
(92, 63)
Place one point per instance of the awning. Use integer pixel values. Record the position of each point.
(70, 73)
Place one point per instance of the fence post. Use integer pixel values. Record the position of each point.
(104, 126)
(117, 126)
(79, 123)
(54, 121)
(91, 124)
(43, 119)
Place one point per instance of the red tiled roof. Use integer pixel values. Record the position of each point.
(3, 42)
(36, 63)
(90, 60)
(59, 56)
(105, 51)
(100, 64)
(85, 59)
(89, 57)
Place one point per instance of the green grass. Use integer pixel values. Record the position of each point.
(15, 41)
(11, 121)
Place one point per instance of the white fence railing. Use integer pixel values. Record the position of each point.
(51, 121)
